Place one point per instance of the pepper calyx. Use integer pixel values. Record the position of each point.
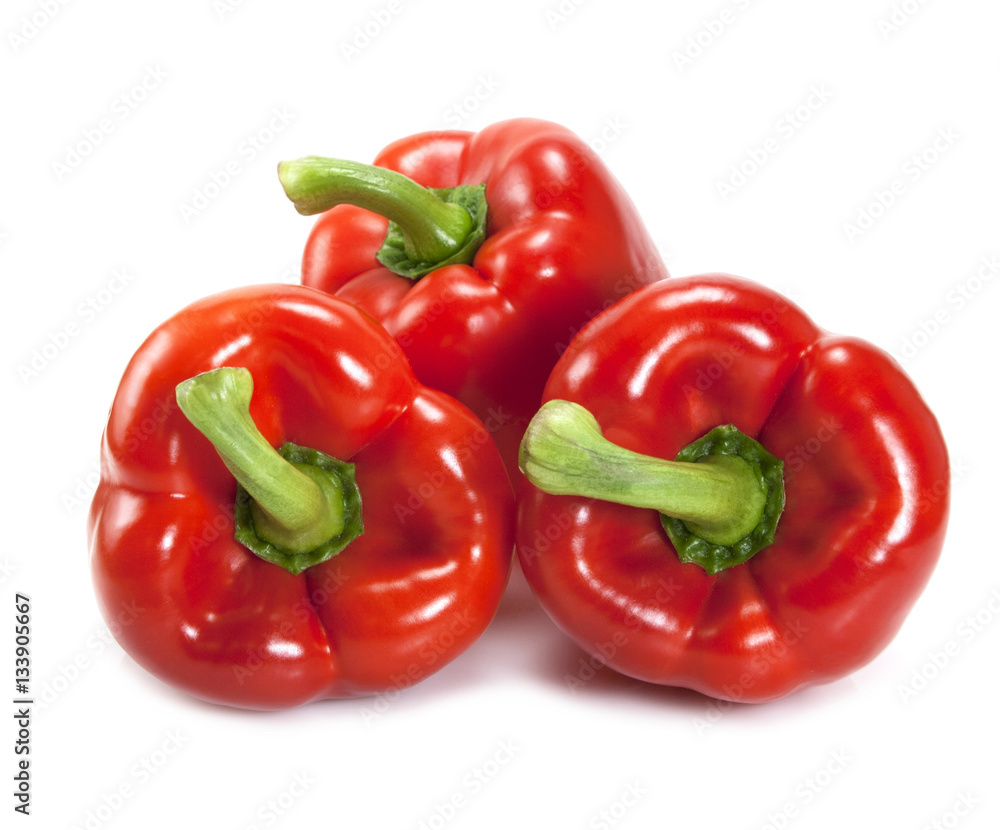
(395, 256)
(336, 478)
(727, 442)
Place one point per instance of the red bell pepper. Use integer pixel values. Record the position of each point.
(673, 571)
(370, 552)
(502, 244)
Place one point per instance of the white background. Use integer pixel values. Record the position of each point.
(500, 733)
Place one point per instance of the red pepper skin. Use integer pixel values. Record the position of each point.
(564, 242)
(866, 477)
(401, 601)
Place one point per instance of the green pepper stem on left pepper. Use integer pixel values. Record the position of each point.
(299, 513)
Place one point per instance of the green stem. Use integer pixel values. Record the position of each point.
(297, 507)
(436, 227)
(722, 491)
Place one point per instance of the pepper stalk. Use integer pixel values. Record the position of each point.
(295, 506)
(719, 500)
(428, 227)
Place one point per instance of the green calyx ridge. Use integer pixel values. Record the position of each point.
(394, 254)
(325, 470)
(713, 557)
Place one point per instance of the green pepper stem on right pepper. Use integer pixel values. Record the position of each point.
(719, 502)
